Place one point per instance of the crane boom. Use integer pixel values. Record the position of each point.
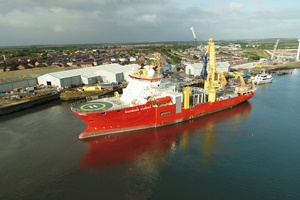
(274, 51)
(203, 73)
(193, 31)
(298, 53)
(194, 35)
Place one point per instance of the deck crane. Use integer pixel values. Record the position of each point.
(203, 73)
(214, 79)
(217, 79)
(274, 51)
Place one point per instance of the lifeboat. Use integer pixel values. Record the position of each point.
(163, 100)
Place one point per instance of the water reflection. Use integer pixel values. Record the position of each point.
(117, 149)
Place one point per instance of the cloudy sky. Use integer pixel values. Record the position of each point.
(27, 22)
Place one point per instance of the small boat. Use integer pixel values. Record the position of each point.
(262, 78)
(280, 72)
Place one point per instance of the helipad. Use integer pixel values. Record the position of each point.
(93, 106)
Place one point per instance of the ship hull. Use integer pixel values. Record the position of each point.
(149, 116)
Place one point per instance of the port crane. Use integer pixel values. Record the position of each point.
(4, 61)
(204, 61)
(194, 35)
(298, 52)
(203, 73)
(274, 51)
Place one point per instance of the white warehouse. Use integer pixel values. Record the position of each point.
(116, 72)
(88, 76)
(196, 68)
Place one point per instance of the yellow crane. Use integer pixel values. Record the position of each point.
(214, 79)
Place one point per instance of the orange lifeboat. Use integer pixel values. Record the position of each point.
(163, 100)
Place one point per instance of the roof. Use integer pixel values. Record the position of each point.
(116, 68)
(195, 65)
(200, 65)
(223, 64)
(93, 71)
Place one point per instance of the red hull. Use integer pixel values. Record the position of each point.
(113, 150)
(148, 116)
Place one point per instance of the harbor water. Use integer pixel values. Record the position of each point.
(251, 151)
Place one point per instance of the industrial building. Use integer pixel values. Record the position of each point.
(196, 68)
(112, 73)
(88, 76)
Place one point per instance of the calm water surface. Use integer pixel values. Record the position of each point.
(250, 152)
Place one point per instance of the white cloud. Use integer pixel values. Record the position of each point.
(137, 21)
(147, 18)
(235, 6)
(17, 18)
(59, 29)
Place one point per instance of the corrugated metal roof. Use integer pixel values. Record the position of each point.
(94, 71)
(86, 72)
(223, 64)
(117, 69)
(196, 65)
(200, 65)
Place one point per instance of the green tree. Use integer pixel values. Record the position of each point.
(176, 60)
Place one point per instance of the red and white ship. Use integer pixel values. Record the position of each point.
(150, 101)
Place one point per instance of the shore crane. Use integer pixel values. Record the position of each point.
(298, 53)
(203, 73)
(4, 60)
(194, 35)
(274, 51)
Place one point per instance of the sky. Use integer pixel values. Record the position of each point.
(41, 22)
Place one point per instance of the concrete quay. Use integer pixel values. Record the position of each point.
(25, 104)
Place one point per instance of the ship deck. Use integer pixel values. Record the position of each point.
(97, 105)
